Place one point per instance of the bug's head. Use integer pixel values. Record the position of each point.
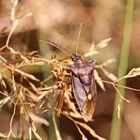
(75, 57)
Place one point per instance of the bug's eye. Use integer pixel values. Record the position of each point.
(93, 62)
(75, 57)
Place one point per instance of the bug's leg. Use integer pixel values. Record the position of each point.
(61, 99)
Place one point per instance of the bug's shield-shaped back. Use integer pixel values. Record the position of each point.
(83, 86)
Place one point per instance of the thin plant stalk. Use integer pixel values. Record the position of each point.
(123, 65)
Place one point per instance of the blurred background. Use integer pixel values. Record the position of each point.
(58, 21)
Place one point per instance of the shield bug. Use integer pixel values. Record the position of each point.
(83, 85)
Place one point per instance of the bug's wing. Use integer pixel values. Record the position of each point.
(88, 110)
(89, 106)
(93, 89)
(85, 105)
(79, 92)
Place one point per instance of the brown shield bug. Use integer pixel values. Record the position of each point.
(83, 85)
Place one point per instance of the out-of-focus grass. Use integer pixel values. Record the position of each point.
(123, 65)
(46, 52)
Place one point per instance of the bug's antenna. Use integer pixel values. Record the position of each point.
(53, 44)
(78, 37)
